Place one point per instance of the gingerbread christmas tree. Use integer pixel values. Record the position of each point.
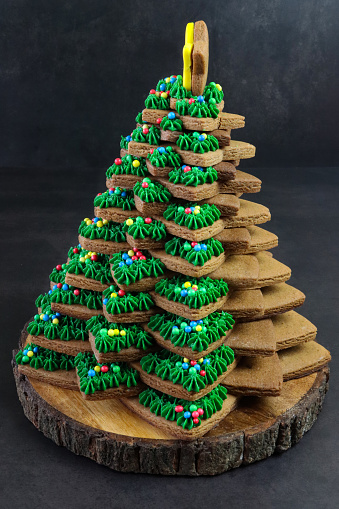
(171, 303)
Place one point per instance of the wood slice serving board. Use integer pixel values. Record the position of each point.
(110, 434)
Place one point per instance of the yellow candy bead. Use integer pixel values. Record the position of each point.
(164, 95)
(116, 332)
(198, 328)
(196, 211)
(97, 369)
(82, 259)
(113, 295)
(87, 257)
(130, 252)
(219, 87)
(201, 360)
(55, 321)
(41, 317)
(129, 222)
(167, 80)
(30, 353)
(93, 253)
(110, 332)
(157, 94)
(105, 221)
(136, 163)
(187, 284)
(194, 287)
(122, 333)
(89, 222)
(186, 360)
(87, 219)
(100, 224)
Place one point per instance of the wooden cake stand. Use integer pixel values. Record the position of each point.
(110, 434)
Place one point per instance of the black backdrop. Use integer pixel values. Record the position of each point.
(75, 73)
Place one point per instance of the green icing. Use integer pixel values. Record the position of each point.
(101, 229)
(191, 216)
(126, 167)
(58, 274)
(118, 373)
(169, 124)
(91, 266)
(139, 229)
(162, 157)
(139, 119)
(196, 108)
(44, 358)
(125, 141)
(115, 197)
(212, 92)
(191, 141)
(193, 292)
(192, 375)
(153, 192)
(178, 91)
(173, 409)
(66, 295)
(139, 269)
(114, 337)
(168, 83)
(156, 102)
(196, 253)
(210, 329)
(61, 327)
(127, 303)
(146, 134)
(193, 175)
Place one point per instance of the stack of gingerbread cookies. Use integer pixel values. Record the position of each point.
(171, 299)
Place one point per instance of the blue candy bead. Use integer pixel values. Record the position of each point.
(96, 219)
(173, 79)
(125, 256)
(197, 367)
(197, 247)
(123, 194)
(35, 349)
(121, 264)
(192, 209)
(53, 316)
(128, 138)
(79, 246)
(201, 137)
(187, 415)
(65, 287)
(193, 324)
(175, 327)
(161, 150)
(171, 115)
(162, 87)
(201, 99)
(200, 168)
(206, 361)
(183, 293)
(55, 287)
(91, 372)
(57, 315)
(129, 261)
(184, 365)
(25, 352)
(45, 318)
(200, 322)
(105, 301)
(188, 329)
(49, 292)
(183, 166)
(110, 192)
(204, 247)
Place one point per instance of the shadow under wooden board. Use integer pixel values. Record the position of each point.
(110, 434)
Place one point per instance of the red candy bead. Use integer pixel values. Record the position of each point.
(151, 151)
(134, 258)
(179, 408)
(145, 130)
(167, 92)
(145, 185)
(191, 100)
(58, 267)
(194, 244)
(196, 421)
(200, 411)
(121, 293)
(187, 168)
(59, 285)
(193, 363)
(152, 91)
(75, 251)
(138, 253)
(104, 369)
(94, 258)
(202, 372)
(99, 194)
(135, 249)
(112, 189)
(159, 120)
(76, 292)
(195, 415)
(142, 257)
(148, 220)
(188, 211)
(117, 161)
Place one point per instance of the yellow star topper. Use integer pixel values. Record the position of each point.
(187, 56)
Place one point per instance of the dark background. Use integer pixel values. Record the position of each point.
(73, 75)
